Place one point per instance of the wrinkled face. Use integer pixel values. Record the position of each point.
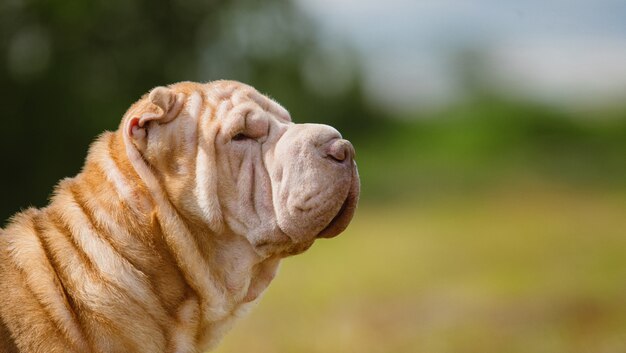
(248, 166)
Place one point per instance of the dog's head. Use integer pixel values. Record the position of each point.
(232, 158)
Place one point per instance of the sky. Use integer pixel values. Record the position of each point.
(563, 52)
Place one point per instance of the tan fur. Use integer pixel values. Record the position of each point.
(173, 227)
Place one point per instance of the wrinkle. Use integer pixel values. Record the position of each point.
(43, 308)
(252, 191)
(193, 266)
(64, 231)
(238, 171)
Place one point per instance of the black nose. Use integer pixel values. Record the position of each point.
(340, 150)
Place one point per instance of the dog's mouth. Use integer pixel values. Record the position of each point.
(340, 222)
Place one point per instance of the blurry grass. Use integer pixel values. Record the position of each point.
(529, 267)
(474, 145)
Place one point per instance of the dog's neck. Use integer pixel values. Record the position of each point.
(181, 257)
(230, 257)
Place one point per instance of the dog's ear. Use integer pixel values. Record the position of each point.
(162, 106)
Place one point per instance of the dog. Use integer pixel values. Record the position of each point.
(175, 225)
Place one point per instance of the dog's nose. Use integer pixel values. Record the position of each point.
(340, 150)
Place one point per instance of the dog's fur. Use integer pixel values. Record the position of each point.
(175, 225)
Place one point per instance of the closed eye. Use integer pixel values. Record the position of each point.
(241, 137)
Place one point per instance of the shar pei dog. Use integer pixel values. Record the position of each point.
(175, 225)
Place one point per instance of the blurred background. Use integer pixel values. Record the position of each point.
(490, 138)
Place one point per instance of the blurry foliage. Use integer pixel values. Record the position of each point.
(489, 139)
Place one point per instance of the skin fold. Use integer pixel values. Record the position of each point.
(175, 225)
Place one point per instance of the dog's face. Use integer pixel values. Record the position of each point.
(233, 159)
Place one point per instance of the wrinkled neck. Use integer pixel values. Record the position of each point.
(109, 183)
(223, 269)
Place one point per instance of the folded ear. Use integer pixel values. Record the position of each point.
(163, 105)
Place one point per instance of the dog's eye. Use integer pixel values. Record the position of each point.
(241, 137)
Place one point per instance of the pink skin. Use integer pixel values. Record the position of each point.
(293, 182)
